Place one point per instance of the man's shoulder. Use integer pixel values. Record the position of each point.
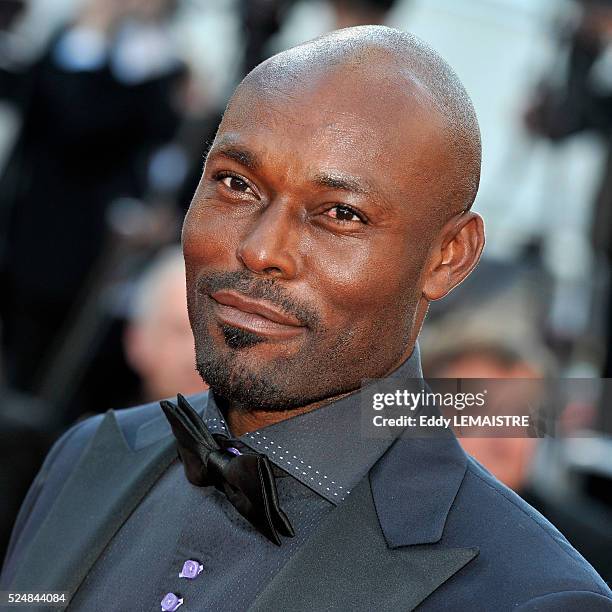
(143, 413)
(69, 448)
(140, 424)
(518, 546)
(129, 420)
(510, 517)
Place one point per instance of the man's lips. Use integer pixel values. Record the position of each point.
(254, 316)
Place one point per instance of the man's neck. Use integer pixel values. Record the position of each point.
(242, 420)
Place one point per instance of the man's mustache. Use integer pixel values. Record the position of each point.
(266, 289)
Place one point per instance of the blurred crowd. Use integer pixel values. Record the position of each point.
(106, 111)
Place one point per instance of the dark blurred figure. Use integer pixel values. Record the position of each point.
(10, 10)
(95, 106)
(360, 12)
(582, 100)
(27, 430)
(261, 20)
(574, 503)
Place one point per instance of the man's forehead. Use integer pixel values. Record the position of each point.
(326, 169)
(334, 127)
(344, 138)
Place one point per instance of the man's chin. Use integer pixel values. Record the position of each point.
(247, 370)
(240, 385)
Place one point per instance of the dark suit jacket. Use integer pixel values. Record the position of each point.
(428, 528)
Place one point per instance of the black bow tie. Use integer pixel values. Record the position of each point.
(246, 480)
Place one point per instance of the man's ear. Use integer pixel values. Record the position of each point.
(454, 254)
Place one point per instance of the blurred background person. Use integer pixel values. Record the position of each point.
(158, 339)
(574, 97)
(360, 12)
(509, 459)
(94, 108)
(260, 21)
(569, 490)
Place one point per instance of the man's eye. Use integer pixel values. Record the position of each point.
(236, 184)
(343, 213)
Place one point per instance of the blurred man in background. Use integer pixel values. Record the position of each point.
(524, 463)
(360, 12)
(509, 459)
(578, 98)
(158, 338)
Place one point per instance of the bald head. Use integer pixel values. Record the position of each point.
(403, 81)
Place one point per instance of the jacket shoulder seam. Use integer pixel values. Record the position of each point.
(567, 591)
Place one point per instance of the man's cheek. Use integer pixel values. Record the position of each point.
(364, 295)
(210, 234)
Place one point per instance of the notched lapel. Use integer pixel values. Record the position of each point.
(347, 565)
(107, 483)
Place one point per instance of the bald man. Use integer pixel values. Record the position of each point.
(333, 208)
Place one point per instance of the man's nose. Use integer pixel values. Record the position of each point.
(271, 245)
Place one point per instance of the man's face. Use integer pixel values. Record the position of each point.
(306, 240)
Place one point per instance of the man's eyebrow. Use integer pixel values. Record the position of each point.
(239, 154)
(339, 180)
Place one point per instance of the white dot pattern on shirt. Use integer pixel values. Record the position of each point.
(316, 479)
(216, 425)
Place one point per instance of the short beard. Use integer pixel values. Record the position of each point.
(267, 389)
(283, 384)
(243, 388)
(254, 391)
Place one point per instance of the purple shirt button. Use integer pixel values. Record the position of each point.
(190, 569)
(171, 602)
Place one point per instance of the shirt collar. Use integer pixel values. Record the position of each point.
(325, 448)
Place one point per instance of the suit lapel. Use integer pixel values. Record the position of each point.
(347, 565)
(106, 485)
(382, 547)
